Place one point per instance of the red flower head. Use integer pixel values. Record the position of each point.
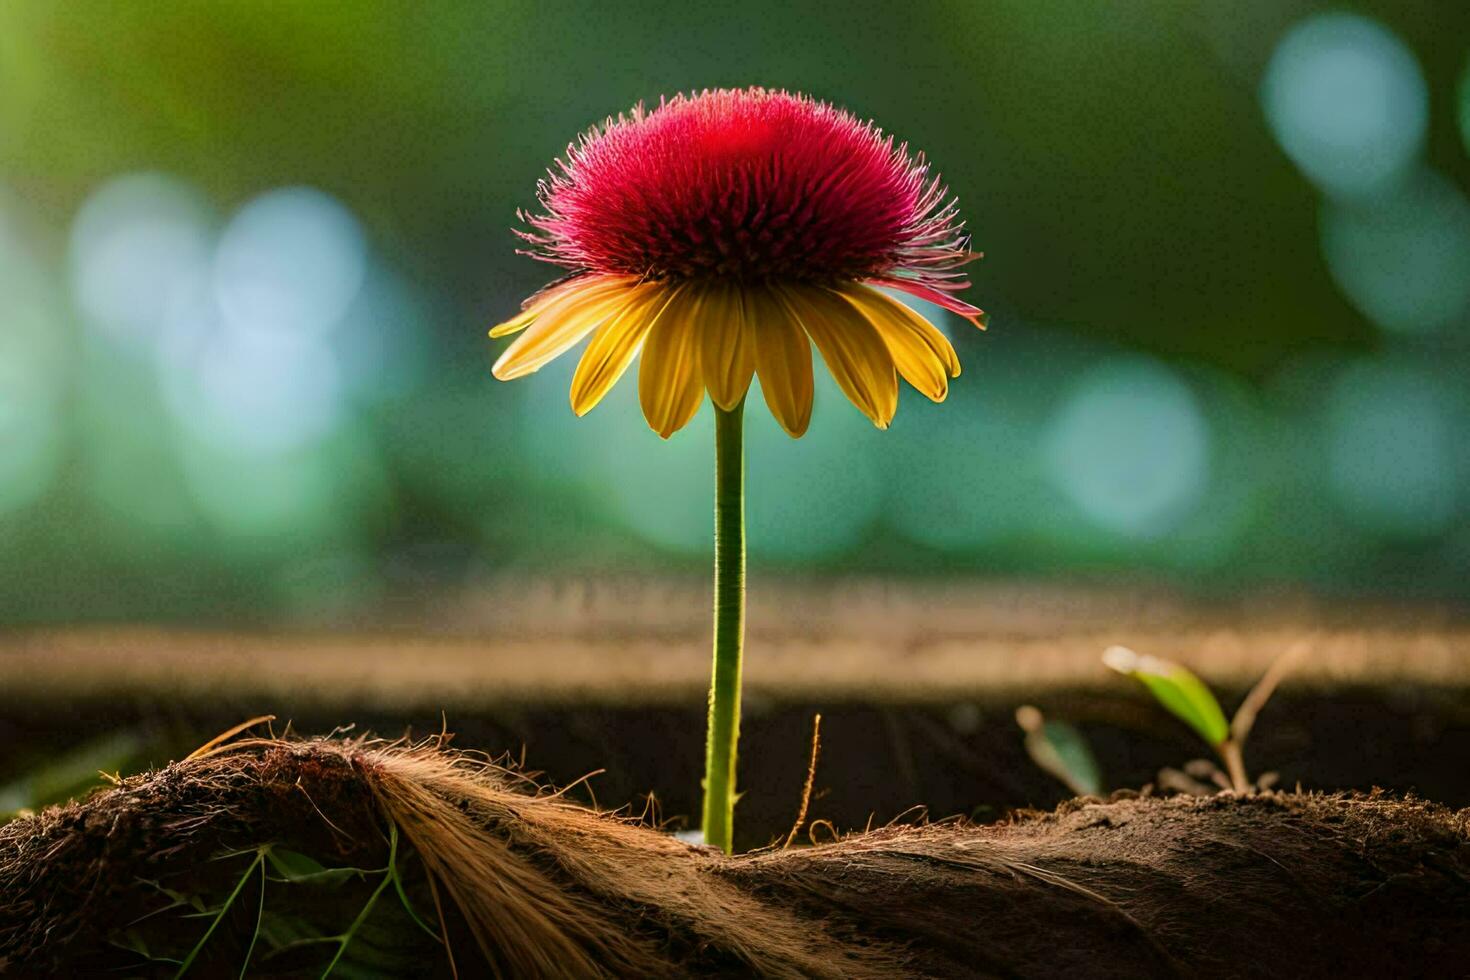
(748, 220)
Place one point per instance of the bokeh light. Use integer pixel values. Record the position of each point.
(1130, 447)
(1403, 256)
(216, 411)
(1347, 101)
(195, 330)
(1397, 448)
(139, 244)
(259, 391)
(265, 434)
(291, 260)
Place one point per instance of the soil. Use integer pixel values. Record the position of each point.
(917, 690)
(536, 885)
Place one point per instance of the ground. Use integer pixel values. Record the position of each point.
(917, 687)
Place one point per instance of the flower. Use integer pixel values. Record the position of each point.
(722, 234)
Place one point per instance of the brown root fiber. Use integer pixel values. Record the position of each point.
(539, 886)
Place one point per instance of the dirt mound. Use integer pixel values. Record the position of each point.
(535, 885)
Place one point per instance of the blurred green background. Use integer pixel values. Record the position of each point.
(249, 251)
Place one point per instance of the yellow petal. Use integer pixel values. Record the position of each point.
(542, 301)
(669, 379)
(726, 351)
(517, 323)
(850, 345)
(615, 344)
(923, 355)
(562, 323)
(783, 359)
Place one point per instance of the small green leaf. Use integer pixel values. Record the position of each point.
(1060, 750)
(1177, 689)
(135, 943)
(295, 867)
(176, 899)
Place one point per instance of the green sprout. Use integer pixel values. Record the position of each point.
(1060, 750)
(1188, 698)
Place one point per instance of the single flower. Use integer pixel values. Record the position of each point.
(723, 234)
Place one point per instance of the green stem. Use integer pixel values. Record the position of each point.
(724, 692)
(390, 876)
(214, 923)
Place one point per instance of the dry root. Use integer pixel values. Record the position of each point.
(1260, 885)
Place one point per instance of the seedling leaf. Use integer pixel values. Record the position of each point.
(298, 868)
(1060, 750)
(1177, 689)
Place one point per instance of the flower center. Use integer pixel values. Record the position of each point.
(744, 185)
